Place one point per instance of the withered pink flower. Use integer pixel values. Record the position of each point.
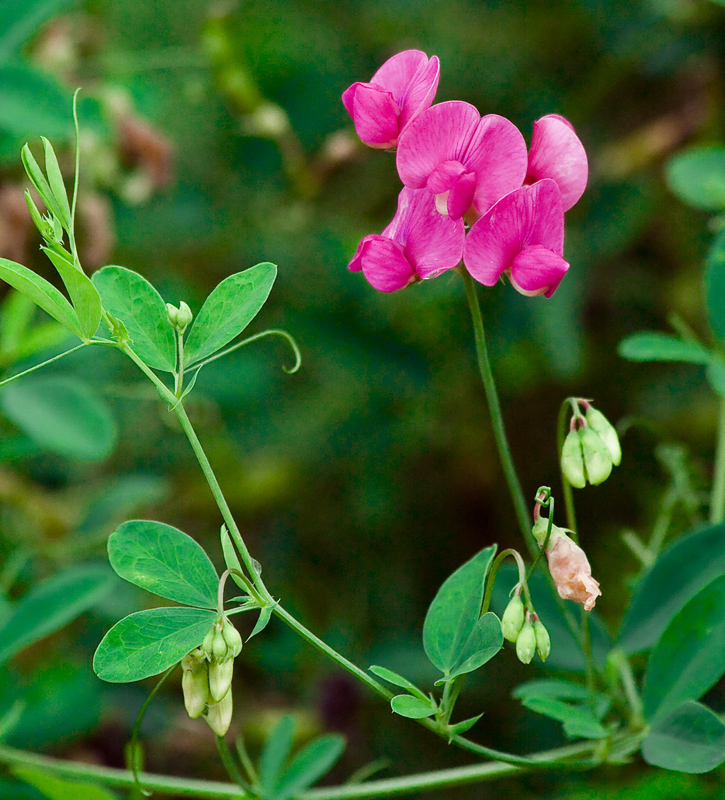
(571, 572)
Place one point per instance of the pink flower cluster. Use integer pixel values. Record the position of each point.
(459, 168)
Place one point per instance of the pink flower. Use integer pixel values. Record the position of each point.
(557, 153)
(419, 243)
(403, 87)
(522, 235)
(571, 572)
(462, 158)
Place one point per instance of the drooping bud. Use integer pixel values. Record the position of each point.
(219, 715)
(572, 461)
(597, 461)
(607, 433)
(543, 640)
(195, 682)
(207, 644)
(220, 678)
(512, 620)
(219, 649)
(526, 643)
(232, 638)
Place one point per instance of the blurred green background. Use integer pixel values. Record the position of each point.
(214, 138)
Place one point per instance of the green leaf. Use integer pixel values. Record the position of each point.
(85, 297)
(697, 177)
(455, 611)
(32, 102)
(55, 179)
(40, 182)
(550, 687)
(42, 293)
(578, 721)
(274, 754)
(51, 605)
(61, 414)
(22, 19)
(715, 286)
(309, 765)
(397, 680)
(662, 347)
(228, 310)
(464, 726)
(231, 559)
(689, 658)
(412, 707)
(148, 642)
(263, 619)
(134, 301)
(61, 788)
(679, 573)
(689, 739)
(163, 560)
(485, 641)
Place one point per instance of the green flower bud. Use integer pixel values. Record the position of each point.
(220, 678)
(543, 640)
(526, 643)
(207, 644)
(183, 317)
(219, 715)
(513, 619)
(219, 649)
(42, 224)
(597, 461)
(172, 312)
(195, 682)
(232, 638)
(607, 433)
(572, 460)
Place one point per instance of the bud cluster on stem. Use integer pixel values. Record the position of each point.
(591, 447)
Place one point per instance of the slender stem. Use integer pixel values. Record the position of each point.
(621, 662)
(271, 332)
(76, 178)
(230, 766)
(567, 488)
(494, 406)
(588, 656)
(717, 497)
(246, 761)
(49, 361)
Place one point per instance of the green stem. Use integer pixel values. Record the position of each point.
(494, 406)
(588, 657)
(717, 497)
(271, 332)
(229, 765)
(49, 361)
(629, 684)
(567, 488)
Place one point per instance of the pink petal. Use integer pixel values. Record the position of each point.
(420, 92)
(557, 153)
(441, 133)
(536, 270)
(375, 114)
(497, 154)
(384, 264)
(461, 195)
(434, 243)
(444, 176)
(531, 215)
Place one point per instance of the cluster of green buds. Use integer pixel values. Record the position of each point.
(207, 676)
(523, 627)
(179, 318)
(591, 447)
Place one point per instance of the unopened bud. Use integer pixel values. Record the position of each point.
(219, 715)
(543, 640)
(195, 682)
(179, 318)
(572, 461)
(232, 638)
(526, 643)
(607, 433)
(597, 461)
(42, 224)
(207, 644)
(513, 619)
(219, 649)
(220, 678)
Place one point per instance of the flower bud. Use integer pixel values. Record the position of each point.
(219, 649)
(220, 678)
(207, 644)
(543, 640)
(232, 638)
(219, 715)
(526, 643)
(607, 433)
(179, 318)
(597, 461)
(195, 682)
(572, 460)
(513, 619)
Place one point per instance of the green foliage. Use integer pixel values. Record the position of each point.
(61, 414)
(453, 635)
(662, 347)
(48, 111)
(130, 298)
(61, 788)
(19, 338)
(682, 570)
(397, 680)
(20, 19)
(689, 657)
(228, 310)
(280, 780)
(715, 286)
(691, 738)
(697, 177)
(164, 561)
(148, 642)
(566, 702)
(51, 605)
(85, 297)
(413, 707)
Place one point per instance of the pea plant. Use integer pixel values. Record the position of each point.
(479, 204)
